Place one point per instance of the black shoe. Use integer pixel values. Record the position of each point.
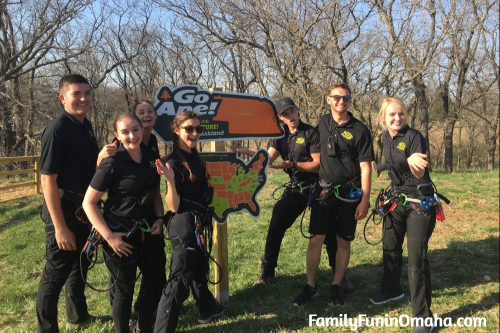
(382, 299)
(346, 285)
(337, 295)
(305, 295)
(219, 310)
(264, 278)
(90, 320)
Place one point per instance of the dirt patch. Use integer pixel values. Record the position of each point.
(16, 193)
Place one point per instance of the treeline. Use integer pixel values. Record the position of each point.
(440, 56)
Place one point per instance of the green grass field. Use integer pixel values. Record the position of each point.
(464, 255)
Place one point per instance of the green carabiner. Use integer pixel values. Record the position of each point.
(147, 224)
(300, 187)
(336, 190)
(404, 196)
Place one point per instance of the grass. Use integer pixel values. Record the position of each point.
(464, 256)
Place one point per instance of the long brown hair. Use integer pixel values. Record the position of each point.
(179, 119)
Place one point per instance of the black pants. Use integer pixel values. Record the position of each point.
(188, 270)
(285, 212)
(62, 268)
(152, 266)
(418, 227)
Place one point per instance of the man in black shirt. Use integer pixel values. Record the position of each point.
(68, 161)
(299, 150)
(345, 169)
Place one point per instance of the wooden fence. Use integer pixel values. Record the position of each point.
(35, 170)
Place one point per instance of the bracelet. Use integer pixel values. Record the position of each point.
(160, 218)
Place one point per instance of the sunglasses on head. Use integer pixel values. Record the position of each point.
(337, 98)
(189, 129)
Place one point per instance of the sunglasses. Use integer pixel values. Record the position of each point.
(189, 129)
(337, 98)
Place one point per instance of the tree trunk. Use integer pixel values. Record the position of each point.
(449, 127)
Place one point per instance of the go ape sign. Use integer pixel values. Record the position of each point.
(225, 116)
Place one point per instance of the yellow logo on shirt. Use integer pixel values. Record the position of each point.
(401, 146)
(300, 141)
(152, 164)
(91, 134)
(347, 135)
(153, 148)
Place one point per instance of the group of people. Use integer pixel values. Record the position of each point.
(330, 163)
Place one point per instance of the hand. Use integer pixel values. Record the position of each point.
(418, 161)
(165, 170)
(65, 239)
(362, 209)
(157, 227)
(107, 151)
(119, 245)
(282, 165)
(239, 149)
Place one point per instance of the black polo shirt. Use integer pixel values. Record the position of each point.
(70, 150)
(302, 143)
(185, 187)
(406, 142)
(353, 144)
(127, 182)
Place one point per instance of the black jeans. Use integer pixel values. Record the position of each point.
(152, 266)
(285, 212)
(188, 270)
(418, 227)
(62, 268)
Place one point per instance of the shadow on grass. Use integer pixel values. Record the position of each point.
(15, 212)
(461, 266)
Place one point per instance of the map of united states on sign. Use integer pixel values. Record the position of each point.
(236, 184)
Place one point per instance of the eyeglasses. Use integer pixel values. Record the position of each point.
(189, 129)
(337, 98)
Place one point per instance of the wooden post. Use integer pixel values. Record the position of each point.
(37, 175)
(220, 249)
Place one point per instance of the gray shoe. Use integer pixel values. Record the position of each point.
(91, 319)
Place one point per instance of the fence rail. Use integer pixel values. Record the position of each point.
(36, 170)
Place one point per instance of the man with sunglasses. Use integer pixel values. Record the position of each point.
(299, 150)
(345, 169)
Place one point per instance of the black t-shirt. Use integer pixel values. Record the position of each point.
(406, 142)
(353, 144)
(70, 150)
(303, 142)
(127, 182)
(185, 187)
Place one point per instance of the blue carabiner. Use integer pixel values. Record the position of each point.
(355, 193)
(427, 202)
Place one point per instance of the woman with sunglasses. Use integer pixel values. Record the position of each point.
(132, 182)
(187, 197)
(406, 160)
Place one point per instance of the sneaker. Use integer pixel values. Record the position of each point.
(265, 279)
(346, 285)
(219, 310)
(91, 319)
(382, 299)
(306, 294)
(337, 295)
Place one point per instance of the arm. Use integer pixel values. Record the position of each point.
(157, 226)
(107, 151)
(366, 186)
(418, 163)
(310, 166)
(242, 150)
(172, 199)
(64, 236)
(114, 239)
(381, 167)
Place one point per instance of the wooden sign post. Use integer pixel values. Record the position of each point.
(220, 249)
